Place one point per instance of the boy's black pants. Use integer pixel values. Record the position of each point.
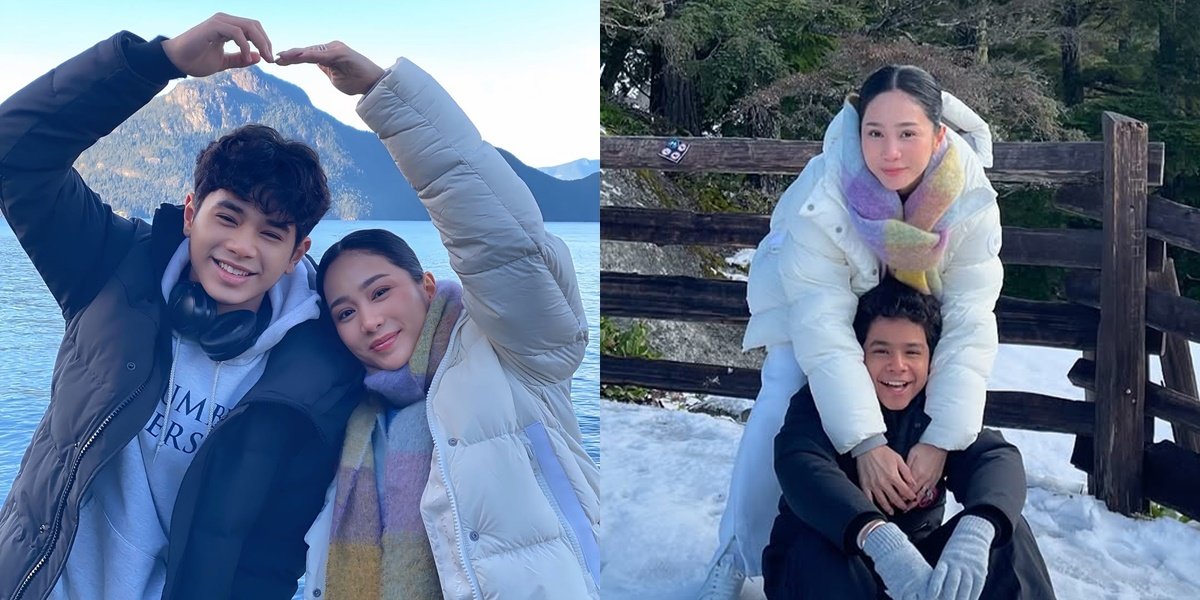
(809, 567)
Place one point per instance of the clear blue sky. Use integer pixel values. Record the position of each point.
(525, 71)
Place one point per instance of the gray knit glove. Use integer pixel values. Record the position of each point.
(962, 569)
(898, 563)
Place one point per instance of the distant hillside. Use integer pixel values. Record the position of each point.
(576, 169)
(149, 159)
(577, 200)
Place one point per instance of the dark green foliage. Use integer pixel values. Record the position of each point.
(702, 56)
(731, 47)
(631, 342)
(728, 192)
(618, 119)
(1158, 511)
(1033, 207)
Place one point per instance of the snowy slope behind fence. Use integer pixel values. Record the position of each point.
(1123, 298)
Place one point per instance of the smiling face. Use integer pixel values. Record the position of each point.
(898, 140)
(377, 307)
(237, 252)
(897, 357)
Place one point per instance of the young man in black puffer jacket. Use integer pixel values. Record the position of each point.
(199, 398)
(831, 541)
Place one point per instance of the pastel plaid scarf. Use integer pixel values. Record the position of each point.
(910, 237)
(379, 547)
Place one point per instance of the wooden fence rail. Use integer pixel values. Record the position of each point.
(1022, 410)
(1073, 248)
(680, 298)
(1168, 221)
(1162, 402)
(1165, 311)
(1013, 162)
(1070, 248)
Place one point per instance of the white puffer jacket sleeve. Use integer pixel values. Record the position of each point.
(800, 292)
(972, 276)
(518, 280)
(821, 305)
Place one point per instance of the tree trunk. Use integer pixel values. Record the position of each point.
(658, 92)
(1178, 58)
(1072, 80)
(972, 34)
(614, 62)
(672, 95)
(981, 42)
(680, 107)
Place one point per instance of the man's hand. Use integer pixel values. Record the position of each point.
(350, 72)
(899, 564)
(886, 480)
(961, 571)
(926, 464)
(200, 51)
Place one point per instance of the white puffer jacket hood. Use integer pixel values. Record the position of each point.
(807, 275)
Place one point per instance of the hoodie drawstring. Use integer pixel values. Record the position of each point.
(210, 402)
(212, 399)
(162, 435)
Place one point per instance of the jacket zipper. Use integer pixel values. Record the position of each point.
(62, 499)
(462, 553)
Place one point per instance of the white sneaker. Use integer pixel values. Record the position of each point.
(725, 578)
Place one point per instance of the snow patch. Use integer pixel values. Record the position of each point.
(666, 476)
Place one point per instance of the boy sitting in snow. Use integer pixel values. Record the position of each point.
(831, 541)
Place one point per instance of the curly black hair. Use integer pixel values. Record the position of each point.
(281, 177)
(892, 299)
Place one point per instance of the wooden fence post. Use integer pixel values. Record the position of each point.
(1121, 346)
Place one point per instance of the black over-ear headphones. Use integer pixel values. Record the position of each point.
(193, 314)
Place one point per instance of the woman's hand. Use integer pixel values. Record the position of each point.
(926, 464)
(886, 480)
(350, 72)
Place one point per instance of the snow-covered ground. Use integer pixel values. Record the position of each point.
(666, 473)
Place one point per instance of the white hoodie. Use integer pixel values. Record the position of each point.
(124, 521)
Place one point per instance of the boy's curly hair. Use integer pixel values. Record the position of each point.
(892, 299)
(282, 177)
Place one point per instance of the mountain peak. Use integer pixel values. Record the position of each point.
(251, 80)
(150, 156)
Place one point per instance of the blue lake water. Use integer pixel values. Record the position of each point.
(31, 327)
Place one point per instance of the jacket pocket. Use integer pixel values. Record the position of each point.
(110, 561)
(554, 483)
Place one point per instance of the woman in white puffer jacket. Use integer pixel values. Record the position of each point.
(463, 473)
(899, 190)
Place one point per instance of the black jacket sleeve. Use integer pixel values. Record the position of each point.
(814, 486)
(988, 478)
(273, 555)
(72, 237)
(251, 507)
